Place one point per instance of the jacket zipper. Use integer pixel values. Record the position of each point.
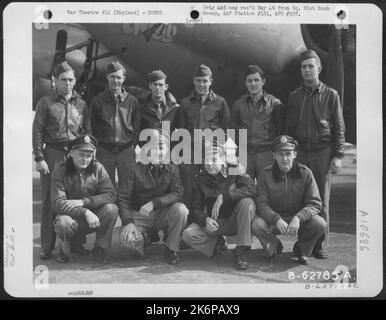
(67, 119)
(168, 111)
(82, 182)
(164, 115)
(302, 109)
(286, 190)
(116, 115)
(155, 183)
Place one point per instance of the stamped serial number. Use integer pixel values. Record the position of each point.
(341, 273)
(364, 237)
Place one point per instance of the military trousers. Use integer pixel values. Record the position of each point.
(319, 162)
(237, 224)
(70, 229)
(172, 218)
(121, 160)
(256, 162)
(309, 232)
(52, 157)
(187, 173)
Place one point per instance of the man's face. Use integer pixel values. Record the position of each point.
(285, 159)
(158, 88)
(213, 164)
(254, 83)
(81, 158)
(66, 82)
(157, 154)
(310, 69)
(202, 84)
(115, 80)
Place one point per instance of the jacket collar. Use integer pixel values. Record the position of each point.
(279, 176)
(70, 168)
(213, 180)
(56, 95)
(169, 102)
(263, 97)
(121, 95)
(318, 89)
(211, 96)
(149, 166)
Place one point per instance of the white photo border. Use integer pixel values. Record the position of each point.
(18, 19)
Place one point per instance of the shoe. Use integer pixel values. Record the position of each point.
(62, 257)
(99, 255)
(79, 249)
(147, 239)
(171, 256)
(320, 254)
(183, 246)
(139, 245)
(45, 255)
(165, 235)
(279, 249)
(240, 259)
(152, 236)
(302, 259)
(220, 246)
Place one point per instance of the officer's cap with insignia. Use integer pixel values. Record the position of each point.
(202, 71)
(115, 66)
(155, 76)
(61, 67)
(214, 150)
(84, 143)
(284, 143)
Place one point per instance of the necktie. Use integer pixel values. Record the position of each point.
(202, 121)
(156, 171)
(159, 111)
(118, 131)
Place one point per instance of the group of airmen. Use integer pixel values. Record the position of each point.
(292, 151)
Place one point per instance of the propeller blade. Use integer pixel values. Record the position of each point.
(335, 70)
(109, 54)
(149, 33)
(61, 43)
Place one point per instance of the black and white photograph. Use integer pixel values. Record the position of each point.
(193, 151)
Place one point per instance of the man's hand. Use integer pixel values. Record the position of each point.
(129, 232)
(42, 167)
(216, 207)
(211, 224)
(282, 226)
(336, 165)
(73, 228)
(146, 208)
(293, 227)
(71, 204)
(92, 219)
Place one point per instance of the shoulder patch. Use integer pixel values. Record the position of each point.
(333, 91)
(136, 164)
(62, 164)
(303, 167)
(295, 91)
(184, 101)
(243, 98)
